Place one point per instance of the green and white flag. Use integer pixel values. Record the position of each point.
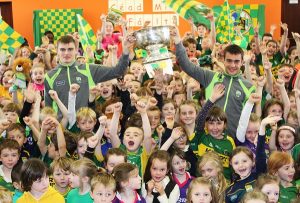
(9, 39)
(59, 21)
(86, 33)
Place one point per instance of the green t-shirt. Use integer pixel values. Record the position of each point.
(295, 153)
(74, 197)
(286, 195)
(202, 143)
(6, 185)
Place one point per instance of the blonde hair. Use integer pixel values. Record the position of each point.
(216, 161)
(85, 112)
(84, 168)
(254, 195)
(277, 160)
(5, 195)
(47, 111)
(107, 180)
(63, 163)
(201, 181)
(265, 179)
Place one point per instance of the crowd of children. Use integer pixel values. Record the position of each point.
(211, 132)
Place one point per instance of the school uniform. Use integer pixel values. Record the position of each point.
(172, 192)
(235, 192)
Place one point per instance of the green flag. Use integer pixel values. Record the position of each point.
(9, 39)
(224, 28)
(190, 9)
(59, 21)
(86, 33)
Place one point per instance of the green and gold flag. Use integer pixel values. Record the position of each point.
(246, 17)
(9, 39)
(190, 9)
(86, 33)
(224, 28)
(59, 21)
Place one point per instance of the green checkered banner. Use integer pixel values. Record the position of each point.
(59, 21)
(9, 39)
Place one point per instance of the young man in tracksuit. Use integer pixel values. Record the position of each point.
(238, 89)
(85, 75)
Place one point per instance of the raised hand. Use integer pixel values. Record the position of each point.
(176, 133)
(218, 92)
(118, 107)
(254, 98)
(53, 95)
(74, 88)
(284, 26)
(102, 121)
(141, 106)
(261, 81)
(270, 120)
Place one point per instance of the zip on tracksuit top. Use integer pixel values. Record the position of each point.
(237, 88)
(85, 75)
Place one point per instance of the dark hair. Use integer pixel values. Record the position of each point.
(290, 128)
(32, 170)
(270, 103)
(135, 120)
(271, 41)
(10, 144)
(70, 140)
(160, 155)
(16, 172)
(188, 41)
(216, 114)
(48, 32)
(115, 151)
(66, 40)
(267, 35)
(234, 49)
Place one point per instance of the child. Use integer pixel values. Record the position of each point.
(179, 174)
(178, 139)
(103, 188)
(137, 141)
(113, 158)
(35, 182)
(9, 156)
(17, 132)
(281, 164)
(82, 172)
(37, 74)
(60, 169)
(242, 162)
(157, 186)
(11, 112)
(128, 182)
(201, 190)
(211, 167)
(52, 151)
(269, 185)
(214, 138)
(255, 197)
(86, 119)
(286, 138)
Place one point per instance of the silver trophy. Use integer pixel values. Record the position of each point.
(156, 40)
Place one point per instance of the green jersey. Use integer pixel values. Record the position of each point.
(286, 195)
(202, 143)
